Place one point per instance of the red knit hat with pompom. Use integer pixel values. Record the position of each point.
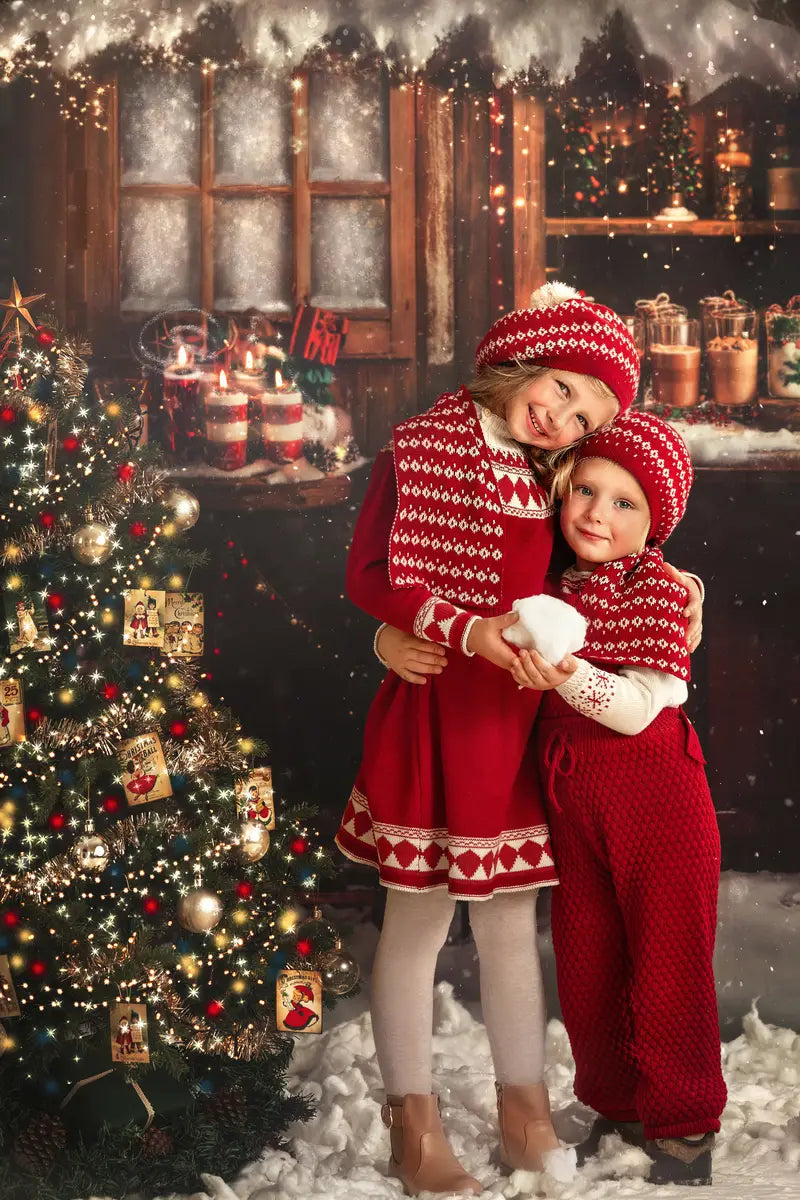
(565, 330)
(656, 455)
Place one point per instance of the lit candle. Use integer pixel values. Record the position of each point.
(226, 426)
(182, 406)
(282, 421)
(249, 377)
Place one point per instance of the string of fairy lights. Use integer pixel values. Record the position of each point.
(188, 855)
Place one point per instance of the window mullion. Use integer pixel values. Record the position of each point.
(206, 195)
(301, 257)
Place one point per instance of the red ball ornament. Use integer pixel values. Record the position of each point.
(304, 947)
(299, 845)
(126, 472)
(178, 729)
(7, 415)
(110, 804)
(150, 906)
(138, 529)
(37, 968)
(110, 691)
(45, 337)
(244, 890)
(214, 1009)
(71, 443)
(34, 716)
(55, 600)
(10, 919)
(47, 520)
(57, 820)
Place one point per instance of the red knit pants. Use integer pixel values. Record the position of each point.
(637, 850)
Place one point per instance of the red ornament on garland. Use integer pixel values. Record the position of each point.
(126, 472)
(304, 947)
(47, 520)
(299, 845)
(10, 919)
(45, 337)
(7, 415)
(34, 716)
(110, 691)
(71, 443)
(37, 968)
(214, 1008)
(150, 906)
(138, 529)
(55, 601)
(110, 804)
(244, 890)
(178, 729)
(57, 819)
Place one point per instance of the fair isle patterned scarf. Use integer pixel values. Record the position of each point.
(635, 614)
(447, 533)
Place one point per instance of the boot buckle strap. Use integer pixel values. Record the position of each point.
(387, 1115)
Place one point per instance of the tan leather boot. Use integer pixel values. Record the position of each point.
(526, 1130)
(421, 1157)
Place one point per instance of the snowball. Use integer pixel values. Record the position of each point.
(547, 625)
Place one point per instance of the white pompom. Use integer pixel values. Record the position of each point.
(551, 294)
(548, 625)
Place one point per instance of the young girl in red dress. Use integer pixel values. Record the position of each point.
(633, 827)
(456, 524)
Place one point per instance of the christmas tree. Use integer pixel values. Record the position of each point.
(677, 171)
(582, 168)
(154, 942)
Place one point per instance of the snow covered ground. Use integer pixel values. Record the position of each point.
(341, 1154)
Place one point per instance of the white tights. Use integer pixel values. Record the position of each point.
(414, 930)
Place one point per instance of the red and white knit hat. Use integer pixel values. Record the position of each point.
(563, 329)
(656, 455)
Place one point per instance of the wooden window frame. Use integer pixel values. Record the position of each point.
(374, 333)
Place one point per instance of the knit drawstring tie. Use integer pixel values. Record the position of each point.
(559, 760)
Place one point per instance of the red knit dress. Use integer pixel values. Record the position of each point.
(447, 794)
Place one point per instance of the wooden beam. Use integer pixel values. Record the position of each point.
(471, 215)
(528, 191)
(206, 197)
(402, 234)
(301, 259)
(435, 214)
(102, 227)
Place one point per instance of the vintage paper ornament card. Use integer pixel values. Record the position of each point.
(12, 713)
(129, 1042)
(255, 800)
(144, 618)
(9, 1005)
(299, 1002)
(26, 621)
(184, 629)
(144, 770)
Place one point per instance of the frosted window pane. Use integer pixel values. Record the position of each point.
(159, 125)
(348, 116)
(253, 253)
(349, 253)
(252, 129)
(159, 252)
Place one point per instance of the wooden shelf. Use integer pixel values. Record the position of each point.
(255, 494)
(649, 227)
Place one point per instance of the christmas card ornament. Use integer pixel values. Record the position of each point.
(144, 770)
(144, 618)
(91, 851)
(91, 544)
(298, 1002)
(12, 713)
(128, 1032)
(255, 798)
(184, 428)
(184, 505)
(253, 841)
(6, 1041)
(282, 421)
(184, 628)
(340, 971)
(783, 349)
(226, 426)
(9, 1005)
(26, 621)
(318, 335)
(200, 910)
(547, 625)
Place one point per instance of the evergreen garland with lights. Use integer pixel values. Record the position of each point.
(94, 893)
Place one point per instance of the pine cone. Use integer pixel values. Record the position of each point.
(36, 1147)
(228, 1107)
(157, 1143)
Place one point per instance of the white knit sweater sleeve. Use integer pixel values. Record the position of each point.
(626, 702)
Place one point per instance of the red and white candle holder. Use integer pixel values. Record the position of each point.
(282, 422)
(183, 408)
(226, 427)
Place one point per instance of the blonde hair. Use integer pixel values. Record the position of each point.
(495, 385)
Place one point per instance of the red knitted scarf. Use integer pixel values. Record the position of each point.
(635, 615)
(447, 533)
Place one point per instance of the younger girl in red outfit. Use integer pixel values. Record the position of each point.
(632, 823)
(457, 523)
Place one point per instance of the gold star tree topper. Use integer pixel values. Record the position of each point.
(17, 306)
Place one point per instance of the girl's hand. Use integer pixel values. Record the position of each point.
(694, 607)
(485, 639)
(410, 657)
(532, 671)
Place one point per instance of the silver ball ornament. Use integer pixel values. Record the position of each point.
(91, 544)
(185, 507)
(253, 841)
(340, 971)
(91, 852)
(200, 910)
